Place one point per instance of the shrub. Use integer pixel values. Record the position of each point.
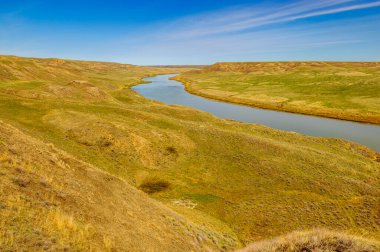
(153, 185)
(171, 150)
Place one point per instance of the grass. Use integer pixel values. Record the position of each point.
(35, 222)
(315, 240)
(232, 183)
(49, 201)
(342, 90)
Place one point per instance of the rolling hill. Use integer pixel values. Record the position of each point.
(113, 170)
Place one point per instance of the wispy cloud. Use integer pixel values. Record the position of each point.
(336, 10)
(256, 29)
(250, 17)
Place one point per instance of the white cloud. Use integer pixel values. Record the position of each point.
(244, 32)
(249, 17)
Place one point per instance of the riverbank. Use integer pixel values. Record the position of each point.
(346, 91)
(163, 88)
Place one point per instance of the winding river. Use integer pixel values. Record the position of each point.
(169, 91)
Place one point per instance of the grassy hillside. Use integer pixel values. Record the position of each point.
(243, 181)
(315, 240)
(49, 200)
(348, 91)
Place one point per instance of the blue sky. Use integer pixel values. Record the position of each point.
(191, 32)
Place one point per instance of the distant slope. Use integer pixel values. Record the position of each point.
(244, 181)
(51, 201)
(343, 90)
(13, 69)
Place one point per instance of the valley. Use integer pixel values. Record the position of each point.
(84, 150)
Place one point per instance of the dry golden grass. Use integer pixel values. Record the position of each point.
(314, 241)
(27, 226)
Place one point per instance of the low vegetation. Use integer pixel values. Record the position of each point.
(95, 141)
(342, 90)
(153, 185)
(315, 240)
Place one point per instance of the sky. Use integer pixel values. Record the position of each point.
(159, 32)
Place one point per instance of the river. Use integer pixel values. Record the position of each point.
(169, 91)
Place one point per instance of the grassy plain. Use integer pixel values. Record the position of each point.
(342, 90)
(237, 183)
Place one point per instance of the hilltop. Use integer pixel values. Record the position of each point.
(77, 141)
(342, 90)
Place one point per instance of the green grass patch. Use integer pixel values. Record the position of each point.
(204, 198)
